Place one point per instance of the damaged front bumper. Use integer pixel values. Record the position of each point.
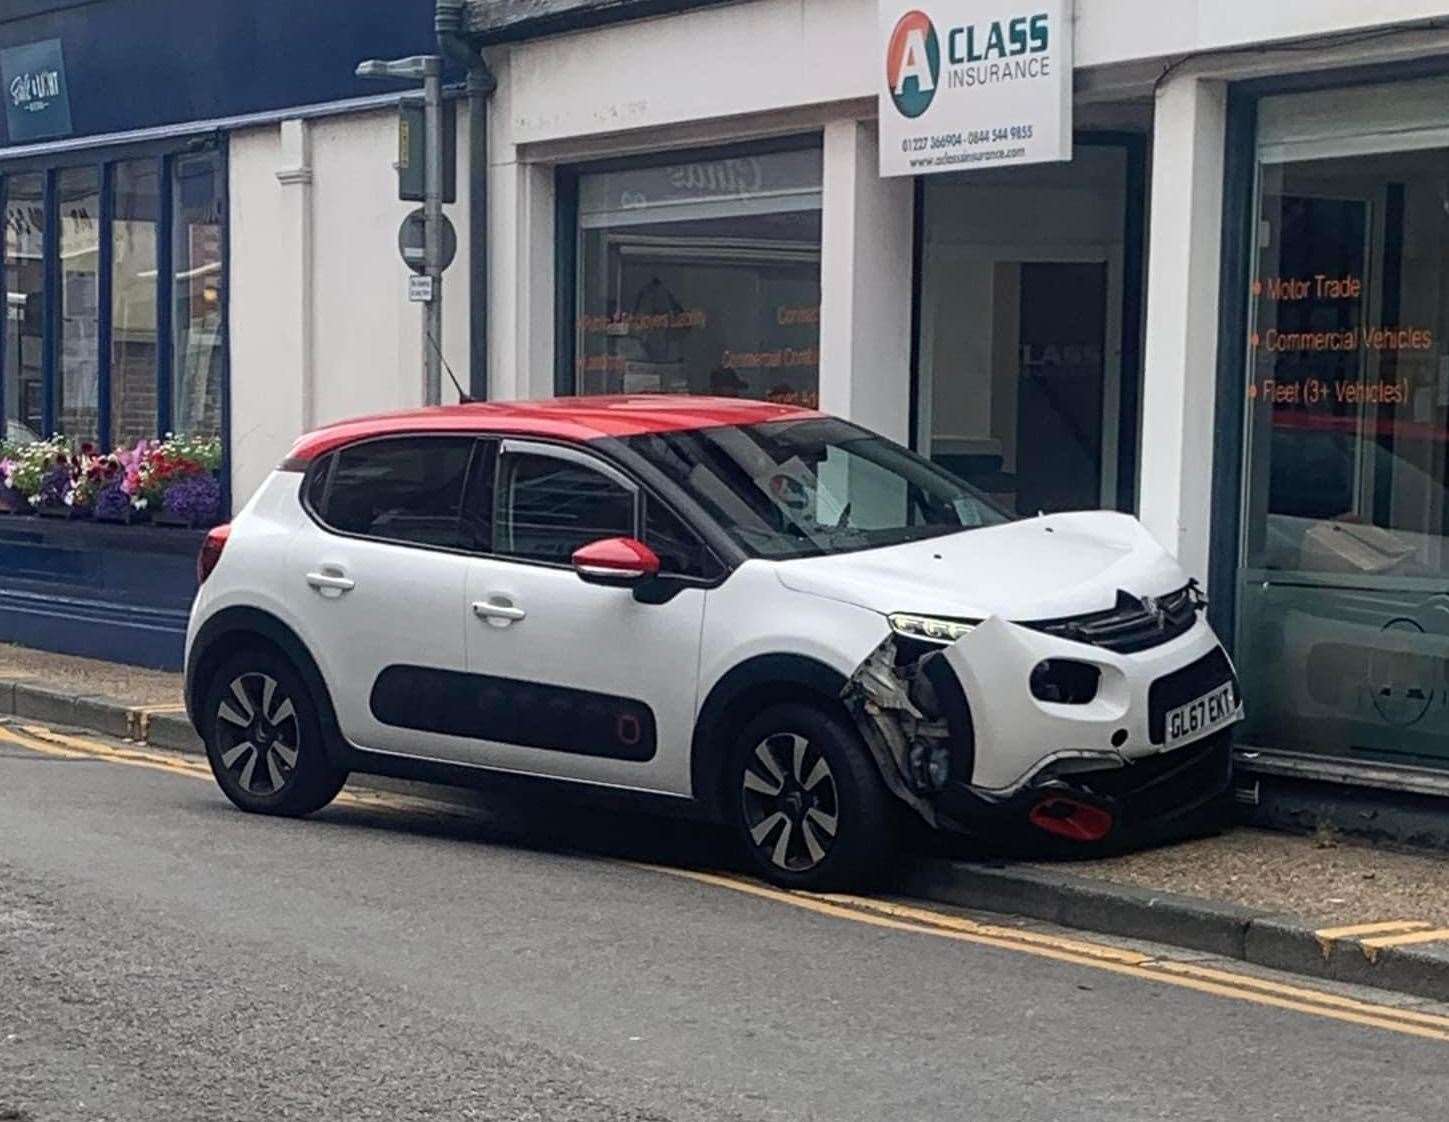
(962, 736)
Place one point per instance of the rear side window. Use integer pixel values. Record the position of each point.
(404, 490)
(550, 507)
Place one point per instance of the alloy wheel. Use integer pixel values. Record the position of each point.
(258, 733)
(791, 804)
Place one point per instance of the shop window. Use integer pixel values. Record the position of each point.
(24, 354)
(78, 359)
(1344, 628)
(114, 330)
(136, 210)
(197, 295)
(700, 276)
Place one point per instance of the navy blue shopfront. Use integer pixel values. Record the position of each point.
(113, 182)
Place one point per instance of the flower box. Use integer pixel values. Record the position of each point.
(181, 521)
(126, 515)
(62, 510)
(172, 482)
(13, 502)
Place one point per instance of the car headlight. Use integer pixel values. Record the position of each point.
(930, 628)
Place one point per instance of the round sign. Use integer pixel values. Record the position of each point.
(410, 243)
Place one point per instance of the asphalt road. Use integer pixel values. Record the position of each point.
(163, 956)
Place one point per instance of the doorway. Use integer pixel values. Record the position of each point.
(1028, 356)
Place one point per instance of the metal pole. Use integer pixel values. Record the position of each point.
(433, 229)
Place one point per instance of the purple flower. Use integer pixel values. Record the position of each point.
(112, 501)
(54, 486)
(196, 499)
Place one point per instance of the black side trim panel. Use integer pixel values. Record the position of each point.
(513, 711)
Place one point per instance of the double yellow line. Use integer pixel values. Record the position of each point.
(888, 914)
(1098, 956)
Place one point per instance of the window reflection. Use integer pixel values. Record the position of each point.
(702, 278)
(136, 204)
(24, 305)
(1344, 622)
(77, 359)
(197, 296)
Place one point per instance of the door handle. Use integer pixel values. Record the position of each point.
(500, 613)
(331, 582)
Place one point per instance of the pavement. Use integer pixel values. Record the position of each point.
(164, 956)
(1325, 906)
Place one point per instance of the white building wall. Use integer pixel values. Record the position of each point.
(865, 284)
(759, 57)
(321, 328)
(1179, 384)
(739, 71)
(264, 316)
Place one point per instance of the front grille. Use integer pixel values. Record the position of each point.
(1187, 684)
(1169, 784)
(1135, 624)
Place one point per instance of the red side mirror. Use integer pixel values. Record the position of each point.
(615, 561)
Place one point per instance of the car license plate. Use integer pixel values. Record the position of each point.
(1198, 718)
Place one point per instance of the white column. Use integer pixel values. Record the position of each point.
(294, 277)
(865, 284)
(521, 256)
(1180, 357)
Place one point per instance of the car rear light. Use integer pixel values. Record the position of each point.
(1067, 818)
(211, 552)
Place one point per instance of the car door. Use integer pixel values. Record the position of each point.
(381, 571)
(575, 680)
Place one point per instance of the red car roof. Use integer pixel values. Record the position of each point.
(566, 418)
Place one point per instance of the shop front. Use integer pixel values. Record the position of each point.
(1342, 551)
(116, 265)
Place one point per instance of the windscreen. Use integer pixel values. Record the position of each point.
(815, 486)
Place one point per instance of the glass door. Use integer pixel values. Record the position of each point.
(1343, 593)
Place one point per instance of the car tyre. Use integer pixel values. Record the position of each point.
(808, 803)
(263, 735)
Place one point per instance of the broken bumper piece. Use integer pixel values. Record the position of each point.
(1012, 730)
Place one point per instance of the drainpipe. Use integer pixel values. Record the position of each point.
(455, 46)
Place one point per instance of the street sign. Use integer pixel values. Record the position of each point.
(412, 152)
(420, 289)
(411, 246)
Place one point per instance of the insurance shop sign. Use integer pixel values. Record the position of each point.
(974, 84)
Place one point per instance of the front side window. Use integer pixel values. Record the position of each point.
(701, 277)
(807, 488)
(550, 507)
(680, 551)
(408, 490)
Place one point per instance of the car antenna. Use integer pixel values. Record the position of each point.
(463, 398)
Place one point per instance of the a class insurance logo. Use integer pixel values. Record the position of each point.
(913, 64)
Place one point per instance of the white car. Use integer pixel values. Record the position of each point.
(767, 614)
